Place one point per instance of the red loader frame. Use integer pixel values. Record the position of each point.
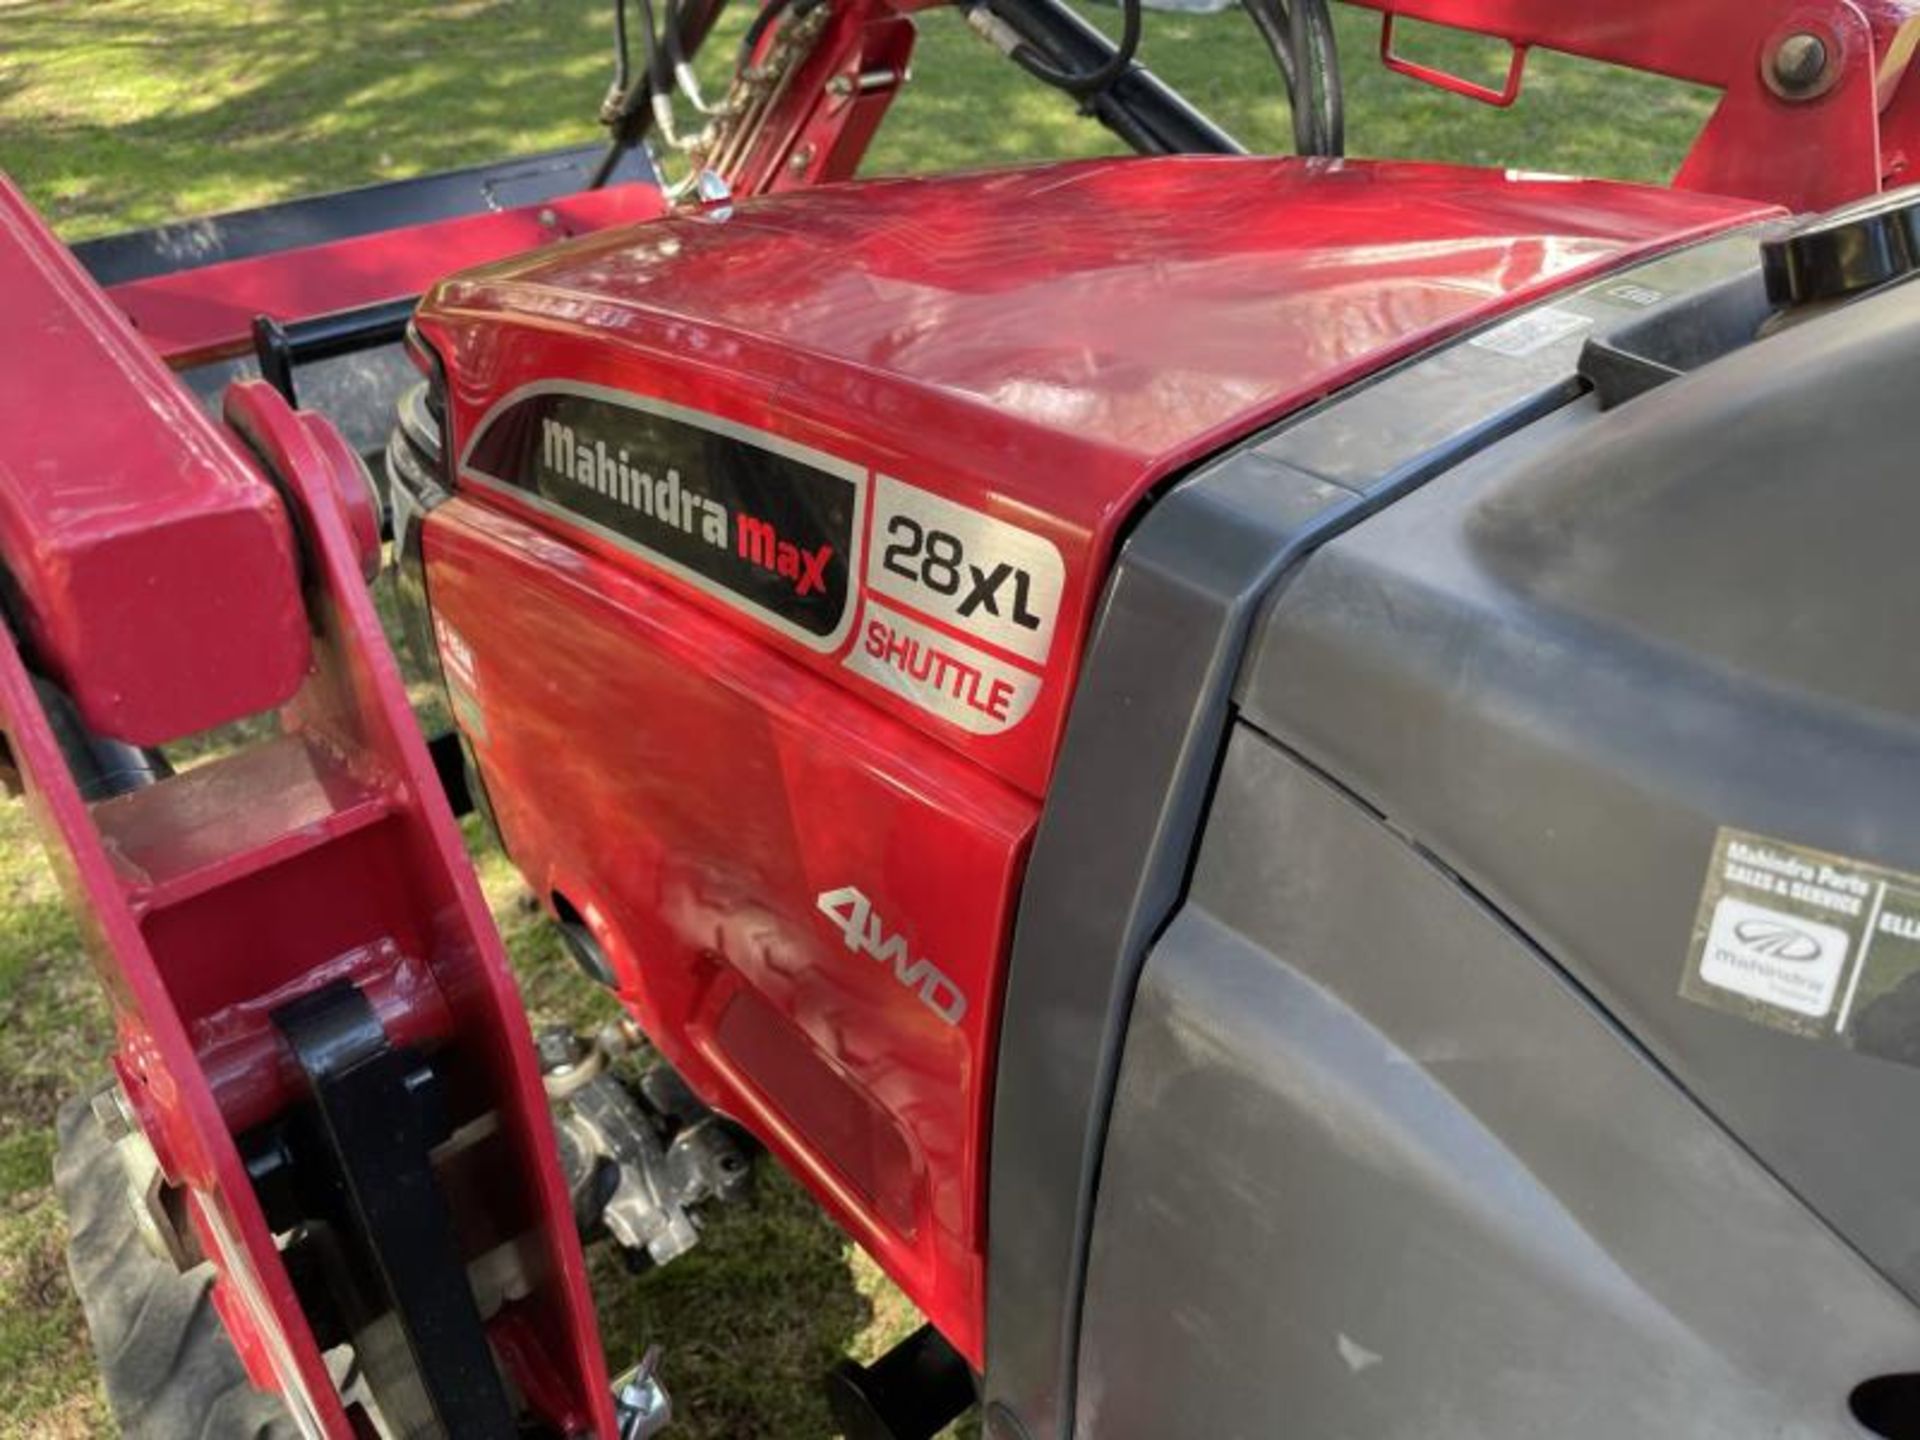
(290, 935)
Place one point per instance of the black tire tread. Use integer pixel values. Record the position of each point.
(169, 1369)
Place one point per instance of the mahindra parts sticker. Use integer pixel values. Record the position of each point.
(961, 609)
(756, 521)
(1825, 946)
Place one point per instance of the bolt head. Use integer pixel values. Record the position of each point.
(1800, 64)
(559, 1050)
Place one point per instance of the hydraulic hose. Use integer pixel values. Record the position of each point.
(1270, 19)
(622, 62)
(692, 21)
(1137, 106)
(1300, 37)
(1089, 82)
(1319, 109)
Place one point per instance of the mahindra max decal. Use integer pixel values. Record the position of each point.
(755, 521)
(959, 607)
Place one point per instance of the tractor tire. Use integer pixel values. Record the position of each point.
(170, 1370)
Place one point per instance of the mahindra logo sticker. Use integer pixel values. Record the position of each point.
(1764, 954)
(1778, 939)
(1814, 943)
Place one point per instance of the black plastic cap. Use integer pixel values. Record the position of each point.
(1845, 251)
(913, 1392)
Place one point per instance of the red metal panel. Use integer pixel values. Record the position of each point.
(694, 795)
(153, 566)
(1066, 335)
(1039, 349)
(192, 316)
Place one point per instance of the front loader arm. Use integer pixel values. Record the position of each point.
(318, 1032)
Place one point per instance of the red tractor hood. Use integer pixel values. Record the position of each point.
(1041, 346)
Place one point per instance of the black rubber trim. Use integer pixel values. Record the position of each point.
(277, 348)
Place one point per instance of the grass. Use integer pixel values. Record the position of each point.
(124, 113)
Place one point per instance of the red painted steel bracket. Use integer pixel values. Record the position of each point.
(819, 126)
(1848, 131)
(1455, 84)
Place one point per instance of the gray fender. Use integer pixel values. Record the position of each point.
(1377, 1169)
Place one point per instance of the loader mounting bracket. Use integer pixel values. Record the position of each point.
(378, 1118)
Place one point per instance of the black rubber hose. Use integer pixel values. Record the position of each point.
(1270, 19)
(1319, 109)
(1089, 82)
(622, 58)
(650, 31)
(1139, 107)
(695, 20)
(102, 767)
(676, 56)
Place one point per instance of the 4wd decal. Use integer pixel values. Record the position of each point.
(754, 520)
(864, 932)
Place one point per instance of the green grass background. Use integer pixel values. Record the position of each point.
(124, 113)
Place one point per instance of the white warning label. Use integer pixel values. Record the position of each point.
(1824, 945)
(1527, 334)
